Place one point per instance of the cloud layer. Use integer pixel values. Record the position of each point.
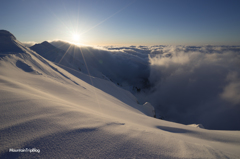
(186, 84)
(194, 84)
(197, 85)
(28, 43)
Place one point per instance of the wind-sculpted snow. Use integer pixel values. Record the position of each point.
(186, 84)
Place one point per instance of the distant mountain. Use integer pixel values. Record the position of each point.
(48, 51)
(129, 71)
(62, 45)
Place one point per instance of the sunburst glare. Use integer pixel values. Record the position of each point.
(76, 37)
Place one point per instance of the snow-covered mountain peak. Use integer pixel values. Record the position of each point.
(45, 44)
(6, 34)
(9, 43)
(48, 51)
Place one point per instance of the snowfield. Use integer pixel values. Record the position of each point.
(68, 114)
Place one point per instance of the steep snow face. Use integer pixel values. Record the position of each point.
(31, 62)
(45, 107)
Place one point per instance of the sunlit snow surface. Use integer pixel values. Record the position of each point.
(45, 107)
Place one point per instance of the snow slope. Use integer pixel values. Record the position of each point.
(45, 107)
(70, 58)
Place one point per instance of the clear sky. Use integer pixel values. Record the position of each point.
(124, 22)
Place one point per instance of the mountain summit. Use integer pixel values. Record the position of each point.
(6, 34)
(8, 43)
(48, 51)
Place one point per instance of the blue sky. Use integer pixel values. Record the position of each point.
(124, 22)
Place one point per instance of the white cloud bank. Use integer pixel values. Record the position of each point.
(29, 43)
(197, 84)
(193, 84)
(186, 84)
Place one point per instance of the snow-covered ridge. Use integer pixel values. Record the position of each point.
(8, 42)
(50, 52)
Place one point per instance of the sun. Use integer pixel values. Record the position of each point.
(76, 37)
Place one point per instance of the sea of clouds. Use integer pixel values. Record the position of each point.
(193, 84)
(197, 85)
(185, 84)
